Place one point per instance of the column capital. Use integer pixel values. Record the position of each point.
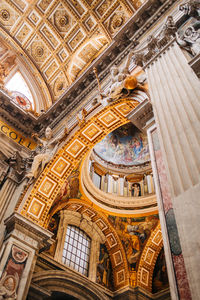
(156, 44)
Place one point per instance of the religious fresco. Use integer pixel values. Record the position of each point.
(12, 273)
(134, 233)
(70, 188)
(124, 146)
(104, 268)
(160, 278)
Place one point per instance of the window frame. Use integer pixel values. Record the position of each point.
(83, 222)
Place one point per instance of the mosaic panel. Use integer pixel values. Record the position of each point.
(91, 132)
(111, 240)
(75, 148)
(117, 256)
(149, 256)
(108, 119)
(60, 167)
(101, 224)
(123, 109)
(36, 207)
(120, 277)
(144, 276)
(47, 186)
(157, 238)
(89, 213)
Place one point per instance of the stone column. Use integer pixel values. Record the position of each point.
(9, 195)
(18, 255)
(174, 91)
(6, 194)
(121, 186)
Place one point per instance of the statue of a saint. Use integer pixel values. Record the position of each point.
(50, 146)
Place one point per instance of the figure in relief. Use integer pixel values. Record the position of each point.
(49, 148)
(8, 286)
(190, 40)
(121, 82)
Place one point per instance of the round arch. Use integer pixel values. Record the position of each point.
(148, 259)
(97, 226)
(69, 283)
(29, 71)
(37, 204)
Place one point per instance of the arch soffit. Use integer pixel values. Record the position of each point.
(148, 259)
(26, 66)
(37, 204)
(71, 283)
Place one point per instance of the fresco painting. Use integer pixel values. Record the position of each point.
(124, 146)
(160, 278)
(104, 269)
(12, 273)
(134, 234)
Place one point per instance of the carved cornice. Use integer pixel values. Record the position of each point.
(27, 230)
(114, 54)
(141, 115)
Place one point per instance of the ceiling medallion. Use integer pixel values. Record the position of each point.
(64, 21)
(60, 86)
(117, 21)
(39, 51)
(5, 14)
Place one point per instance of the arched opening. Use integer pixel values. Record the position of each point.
(61, 296)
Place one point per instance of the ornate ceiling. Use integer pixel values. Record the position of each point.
(61, 38)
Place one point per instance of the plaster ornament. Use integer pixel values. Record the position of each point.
(191, 8)
(8, 286)
(81, 116)
(5, 67)
(190, 40)
(49, 148)
(155, 44)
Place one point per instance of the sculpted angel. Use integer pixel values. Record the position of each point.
(49, 148)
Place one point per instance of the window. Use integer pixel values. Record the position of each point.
(76, 250)
(18, 84)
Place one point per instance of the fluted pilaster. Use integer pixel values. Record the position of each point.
(174, 90)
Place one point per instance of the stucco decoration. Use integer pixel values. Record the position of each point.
(63, 37)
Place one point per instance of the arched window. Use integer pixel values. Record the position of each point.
(17, 83)
(76, 252)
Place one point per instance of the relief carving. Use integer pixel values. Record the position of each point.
(49, 148)
(12, 273)
(190, 40)
(155, 43)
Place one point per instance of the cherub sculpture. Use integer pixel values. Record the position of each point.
(49, 148)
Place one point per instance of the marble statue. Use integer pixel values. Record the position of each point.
(190, 39)
(81, 116)
(118, 76)
(191, 8)
(49, 148)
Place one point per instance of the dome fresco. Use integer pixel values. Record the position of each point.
(124, 146)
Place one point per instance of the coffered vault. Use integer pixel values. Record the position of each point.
(59, 39)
